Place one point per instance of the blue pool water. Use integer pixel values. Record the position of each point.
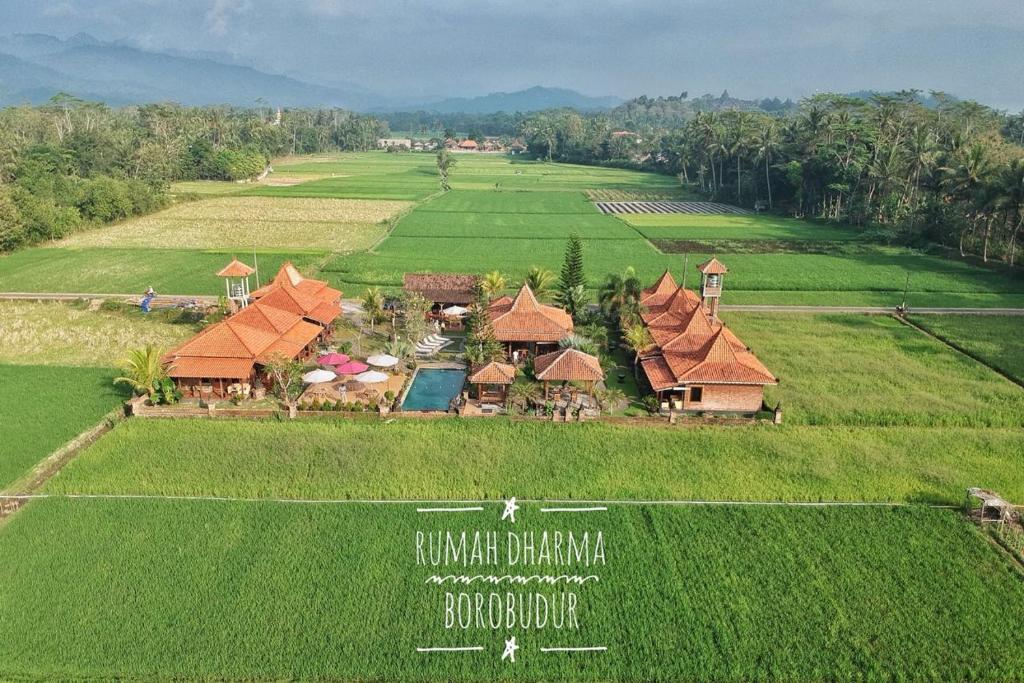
(433, 389)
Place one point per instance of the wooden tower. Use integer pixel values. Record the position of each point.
(236, 282)
(711, 274)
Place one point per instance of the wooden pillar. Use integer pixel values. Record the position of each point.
(545, 390)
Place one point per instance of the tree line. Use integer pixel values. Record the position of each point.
(940, 171)
(72, 164)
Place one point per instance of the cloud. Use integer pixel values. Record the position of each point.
(220, 17)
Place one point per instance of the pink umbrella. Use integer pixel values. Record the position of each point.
(332, 359)
(352, 367)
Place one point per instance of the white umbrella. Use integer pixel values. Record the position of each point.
(318, 376)
(456, 311)
(371, 377)
(382, 360)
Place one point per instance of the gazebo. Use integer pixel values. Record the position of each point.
(236, 281)
(492, 381)
(568, 365)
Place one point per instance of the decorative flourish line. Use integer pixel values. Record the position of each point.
(476, 648)
(471, 509)
(590, 509)
(599, 648)
(517, 579)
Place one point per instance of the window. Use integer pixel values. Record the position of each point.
(696, 394)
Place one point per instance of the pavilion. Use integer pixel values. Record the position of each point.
(568, 365)
(492, 381)
(524, 324)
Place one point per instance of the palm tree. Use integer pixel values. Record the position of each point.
(540, 280)
(400, 348)
(609, 399)
(574, 300)
(492, 284)
(578, 342)
(637, 338)
(143, 370)
(373, 305)
(522, 392)
(619, 295)
(767, 146)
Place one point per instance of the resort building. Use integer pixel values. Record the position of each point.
(442, 289)
(289, 318)
(695, 362)
(568, 366)
(524, 324)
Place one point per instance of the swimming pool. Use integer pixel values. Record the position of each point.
(434, 389)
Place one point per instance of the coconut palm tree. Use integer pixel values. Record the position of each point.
(373, 305)
(767, 147)
(492, 284)
(578, 342)
(143, 370)
(540, 280)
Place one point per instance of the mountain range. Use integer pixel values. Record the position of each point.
(34, 67)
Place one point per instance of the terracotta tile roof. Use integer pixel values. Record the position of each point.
(568, 365)
(308, 290)
(660, 291)
(325, 313)
(267, 318)
(525, 319)
(493, 373)
(712, 267)
(468, 144)
(236, 269)
(224, 368)
(450, 288)
(690, 347)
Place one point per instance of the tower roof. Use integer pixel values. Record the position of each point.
(236, 269)
(712, 267)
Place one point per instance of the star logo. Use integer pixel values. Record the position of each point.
(510, 513)
(510, 650)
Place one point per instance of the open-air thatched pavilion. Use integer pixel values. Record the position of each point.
(492, 381)
(568, 365)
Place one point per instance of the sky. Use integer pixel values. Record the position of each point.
(752, 48)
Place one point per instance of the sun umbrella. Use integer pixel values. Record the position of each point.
(456, 311)
(372, 377)
(382, 360)
(332, 359)
(352, 367)
(318, 376)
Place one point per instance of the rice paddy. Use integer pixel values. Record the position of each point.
(53, 333)
(874, 370)
(997, 340)
(44, 406)
(246, 222)
(458, 459)
(262, 591)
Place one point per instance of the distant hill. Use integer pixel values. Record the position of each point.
(120, 74)
(536, 98)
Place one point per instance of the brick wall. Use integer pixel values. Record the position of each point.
(729, 397)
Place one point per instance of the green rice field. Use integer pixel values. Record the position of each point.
(873, 370)
(191, 590)
(460, 459)
(998, 340)
(508, 214)
(42, 407)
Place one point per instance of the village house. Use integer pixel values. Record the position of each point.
(527, 326)
(468, 146)
(394, 143)
(289, 319)
(695, 362)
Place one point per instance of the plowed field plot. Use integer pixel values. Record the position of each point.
(668, 207)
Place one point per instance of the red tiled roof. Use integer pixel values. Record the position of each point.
(525, 319)
(493, 373)
(235, 269)
(225, 368)
(469, 144)
(568, 365)
(325, 313)
(712, 267)
(690, 347)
